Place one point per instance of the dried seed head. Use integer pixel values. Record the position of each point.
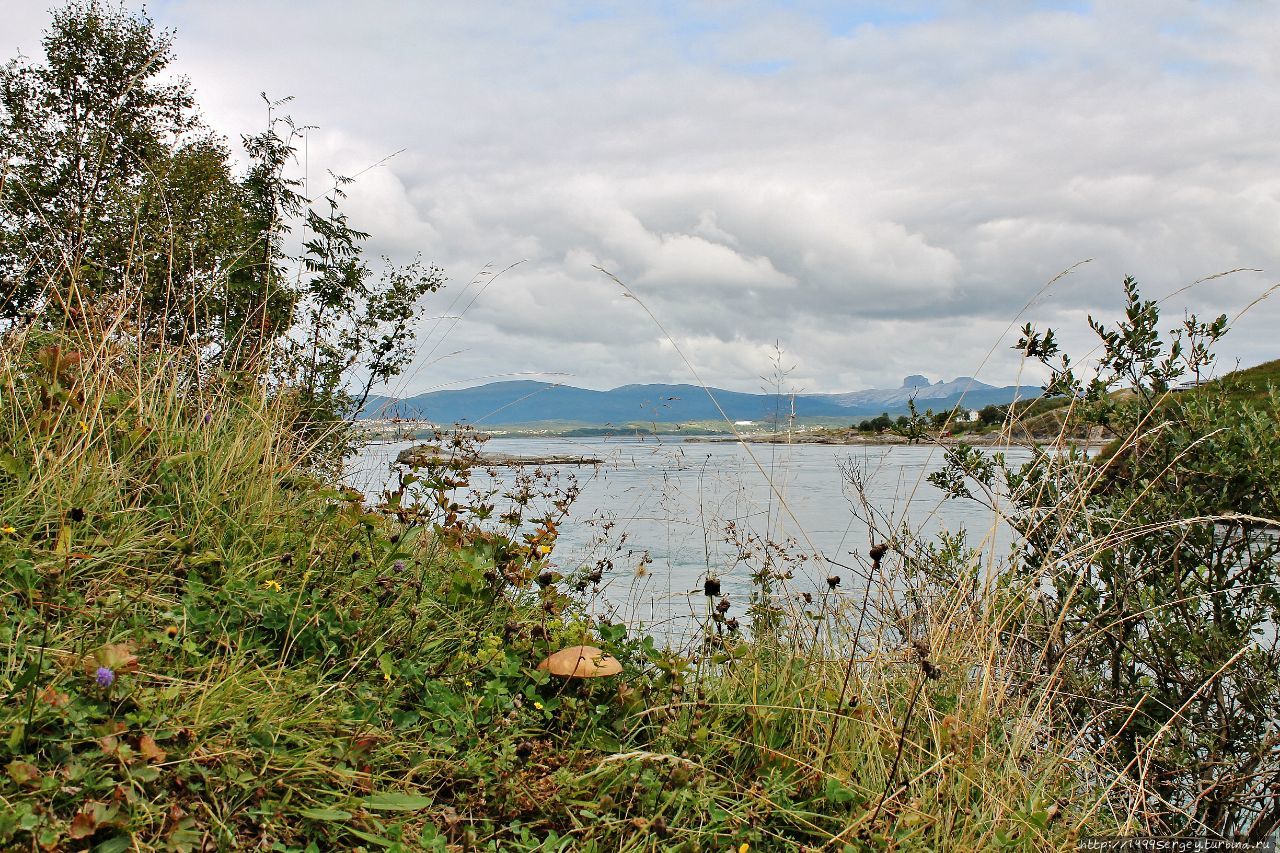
(711, 588)
(833, 581)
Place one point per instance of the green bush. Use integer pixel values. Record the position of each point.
(1150, 574)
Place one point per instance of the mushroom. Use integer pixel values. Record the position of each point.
(581, 662)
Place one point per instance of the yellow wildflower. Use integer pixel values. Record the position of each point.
(8, 528)
(744, 847)
(271, 584)
(538, 705)
(84, 426)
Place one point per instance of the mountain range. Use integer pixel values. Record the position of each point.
(526, 401)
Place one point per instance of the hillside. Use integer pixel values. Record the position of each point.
(524, 402)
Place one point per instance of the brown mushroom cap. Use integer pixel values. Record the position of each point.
(581, 662)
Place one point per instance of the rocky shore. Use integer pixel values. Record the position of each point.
(426, 454)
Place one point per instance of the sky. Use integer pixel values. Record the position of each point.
(844, 192)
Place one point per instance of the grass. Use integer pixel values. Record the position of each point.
(295, 669)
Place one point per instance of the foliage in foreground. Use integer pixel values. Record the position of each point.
(207, 647)
(1152, 572)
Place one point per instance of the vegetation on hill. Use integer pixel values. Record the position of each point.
(209, 643)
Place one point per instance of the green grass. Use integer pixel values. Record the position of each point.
(296, 670)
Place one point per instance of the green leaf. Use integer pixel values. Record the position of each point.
(28, 675)
(10, 464)
(326, 814)
(114, 845)
(371, 838)
(396, 802)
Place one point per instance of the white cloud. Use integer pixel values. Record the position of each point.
(882, 195)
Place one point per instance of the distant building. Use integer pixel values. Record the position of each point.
(744, 423)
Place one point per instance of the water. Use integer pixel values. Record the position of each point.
(662, 512)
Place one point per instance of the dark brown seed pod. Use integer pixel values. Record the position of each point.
(711, 588)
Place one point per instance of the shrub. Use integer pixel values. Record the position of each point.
(1148, 576)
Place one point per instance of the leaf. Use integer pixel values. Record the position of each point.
(838, 793)
(150, 751)
(23, 773)
(28, 675)
(371, 838)
(119, 844)
(326, 814)
(53, 698)
(11, 465)
(395, 802)
(118, 657)
(84, 824)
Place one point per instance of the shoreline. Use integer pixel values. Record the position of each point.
(992, 439)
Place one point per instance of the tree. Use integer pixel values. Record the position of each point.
(112, 187)
(992, 414)
(1150, 574)
(349, 325)
(82, 137)
(879, 423)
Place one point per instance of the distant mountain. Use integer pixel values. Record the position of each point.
(526, 401)
(924, 393)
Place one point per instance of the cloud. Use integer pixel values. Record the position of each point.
(883, 189)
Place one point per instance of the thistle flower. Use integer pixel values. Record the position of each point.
(105, 677)
(397, 566)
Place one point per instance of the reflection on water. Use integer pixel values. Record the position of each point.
(670, 509)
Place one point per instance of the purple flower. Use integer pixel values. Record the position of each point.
(207, 417)
(398, 566)
(105, 677)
